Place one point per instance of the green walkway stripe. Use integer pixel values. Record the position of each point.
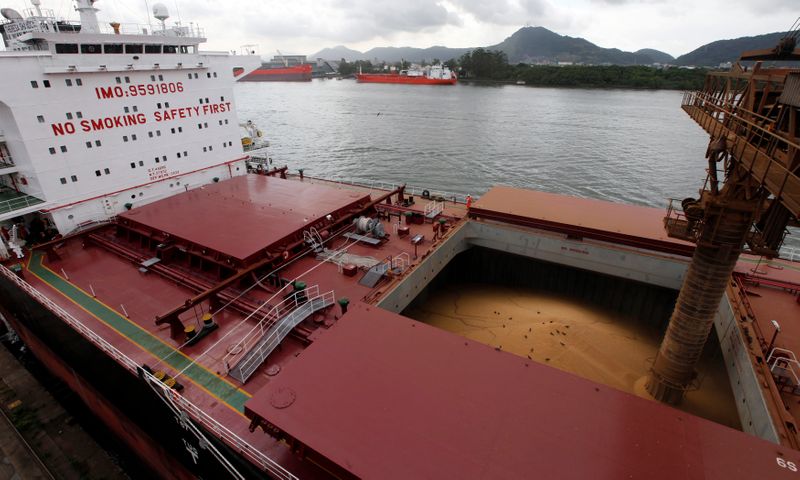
(138, 335)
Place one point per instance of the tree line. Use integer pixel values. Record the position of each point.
(492, 65)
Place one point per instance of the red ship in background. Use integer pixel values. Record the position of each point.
(282, 68)
(435, 75)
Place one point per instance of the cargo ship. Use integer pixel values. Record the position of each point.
(282, 68)
(434, 75)
(227, 318)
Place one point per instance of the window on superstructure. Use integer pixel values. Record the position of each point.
(172, 130)
(126, 109)
(119, 80)
(97, 173)
(157, 160)
(113, 48)
(184, 49)
(97, 143)
(133, 48)
(158, 105)
(206, 99)
(158, 133)
(179, 155)
(52, 150)
(135, 108)
(190, 76)
(205, 124)
(152, 49)
(69, 115)
(107, 171)
(79, 114)
(88, 144)
(215, 74)
(180, 129)
(220, 122)
(226, 121)
(195, 75)
(161, 77)
(124, 138)
(63, 149)
(78, 82)
(152, 78)
(221, 99)
(199, 126)
(127, 79)
(91, 48)
(46, 83)
(74, 178)
(185, 154)
(164, 158)
(230, 144)
(40, 118)
(68, 82)
(166, 104)
(205, 149)
(208, 74)
(210, 148)
(63, 181)
(66, 48)
(170, 49)
(141, 163)
(133, 137)
(150, 134)
(133, 165)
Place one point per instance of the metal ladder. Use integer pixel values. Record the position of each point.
(275, 334)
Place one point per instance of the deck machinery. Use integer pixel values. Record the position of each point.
(750, 197)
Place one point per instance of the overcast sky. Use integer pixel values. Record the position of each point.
(306, 26)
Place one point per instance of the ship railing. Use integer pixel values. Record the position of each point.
(784, 365)
(790, 253)
(5, 160)
(180, 403)
(279, 331)
(417, 191)
(433, 208)
(19, 203)
(251, 339)
(235, 441)
(48, 23)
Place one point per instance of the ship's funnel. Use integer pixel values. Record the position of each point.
(88, 16)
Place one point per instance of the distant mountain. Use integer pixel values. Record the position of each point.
(656, 55)
(714, 53)
(538, 44)
(337, 53)
(396, 54)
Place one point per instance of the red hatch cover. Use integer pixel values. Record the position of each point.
(244, 215)
(382, 396)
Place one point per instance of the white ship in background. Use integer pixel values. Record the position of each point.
(99, 117)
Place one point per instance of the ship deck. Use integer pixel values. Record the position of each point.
(96, 276)
(512, 416)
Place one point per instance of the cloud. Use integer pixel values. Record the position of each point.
(506, 12)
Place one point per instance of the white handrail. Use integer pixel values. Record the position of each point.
(279, 331)
(409, 190)
(255, 455)
(274, 314)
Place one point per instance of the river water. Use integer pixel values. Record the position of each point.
(622, 145)
(628, 146)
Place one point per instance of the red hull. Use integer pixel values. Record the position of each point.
(404, 79)
(299, 73)
(137, 440)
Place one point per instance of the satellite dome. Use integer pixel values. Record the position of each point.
(10, 14)
(160, 11)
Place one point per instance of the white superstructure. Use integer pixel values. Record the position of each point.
(99, 117)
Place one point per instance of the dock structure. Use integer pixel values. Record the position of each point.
(751, 194)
